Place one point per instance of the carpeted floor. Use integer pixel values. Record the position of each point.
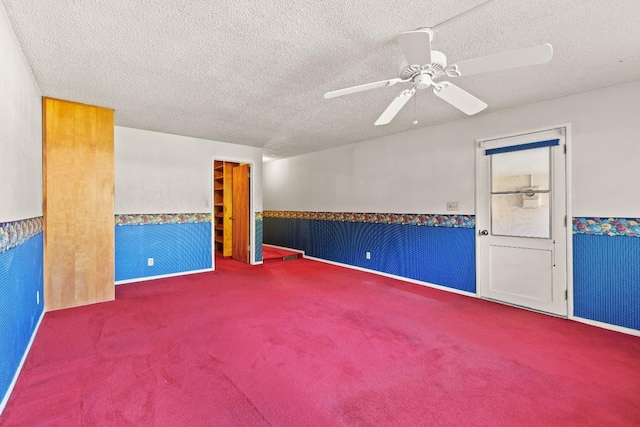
(302, 343)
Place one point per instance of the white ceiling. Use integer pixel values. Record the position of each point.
(253, 72)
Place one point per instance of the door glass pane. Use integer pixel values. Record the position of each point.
(520, 182)
(520, 169)
(517, 215)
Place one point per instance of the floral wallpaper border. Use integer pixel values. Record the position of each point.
(15, 233)
(581, 225)
(146, 219)
(431, 220)
(155, 219)
(607, 226)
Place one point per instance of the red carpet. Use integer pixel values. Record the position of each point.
(270, 254)
(308, 344)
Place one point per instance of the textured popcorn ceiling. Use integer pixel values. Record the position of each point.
(254, 72)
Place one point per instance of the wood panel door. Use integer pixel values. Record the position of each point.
(78, 204)
(241, 240)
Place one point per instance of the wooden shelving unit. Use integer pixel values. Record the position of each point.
(222, 206)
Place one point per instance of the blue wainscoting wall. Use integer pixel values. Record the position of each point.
(440, 255)
(21, 277)
(606, 279)
(175, 248)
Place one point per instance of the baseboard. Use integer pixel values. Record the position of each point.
(391, 276)
(379, 273)
(609, 326)
(5, 399)
(162, 276)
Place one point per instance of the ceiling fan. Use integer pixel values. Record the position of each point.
(423, 66)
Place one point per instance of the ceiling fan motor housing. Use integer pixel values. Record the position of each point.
(422, 81)
(435, 69)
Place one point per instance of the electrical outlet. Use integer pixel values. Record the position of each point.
(150, 262)
(452, 206)
(206, 203)
(368, 255)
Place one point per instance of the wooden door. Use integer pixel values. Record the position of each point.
(78, 204)
(521, 221)
(241, 250)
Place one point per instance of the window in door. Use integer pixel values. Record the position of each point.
(520, 187)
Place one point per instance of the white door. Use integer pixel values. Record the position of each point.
(522, 239)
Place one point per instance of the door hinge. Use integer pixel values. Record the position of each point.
(565, 149)
(565, 220)
(566, 294)
(249, 248)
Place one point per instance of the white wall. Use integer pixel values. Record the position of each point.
(420, 170)
(20, 131)
(162, 173)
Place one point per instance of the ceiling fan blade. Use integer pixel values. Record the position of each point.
(459, 98)
(505, 60)
(416, 46)
(395, 106)
(361, 88)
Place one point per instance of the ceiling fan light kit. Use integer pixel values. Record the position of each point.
(422, 67)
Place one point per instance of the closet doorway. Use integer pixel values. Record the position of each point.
(231, 208)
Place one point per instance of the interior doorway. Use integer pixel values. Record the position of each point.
(231, 210)
(521, 220)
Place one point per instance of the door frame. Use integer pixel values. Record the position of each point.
(479, 153)
(252, 214)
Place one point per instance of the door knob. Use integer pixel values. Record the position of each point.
(484, 232)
